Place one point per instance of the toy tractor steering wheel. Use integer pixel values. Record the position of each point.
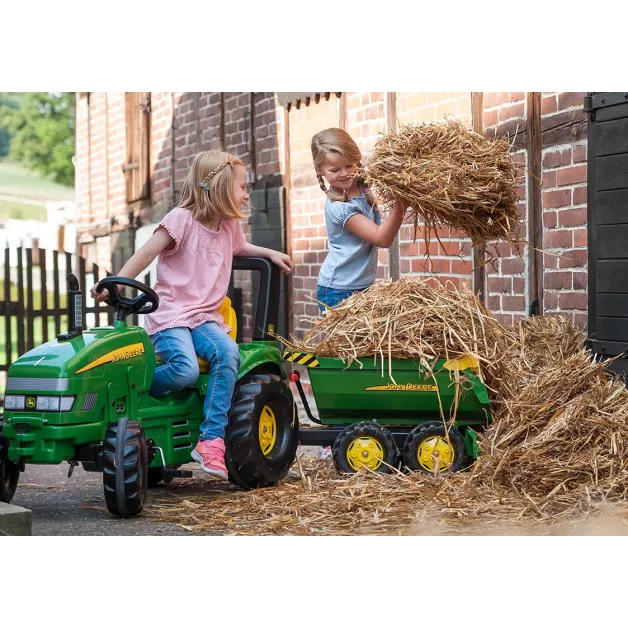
(144, 303)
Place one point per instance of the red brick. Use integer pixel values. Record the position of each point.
(409, 249)
(550, 219)
(572, 217)
(518, 285)
(548, 105)
(492, 99)
(580, 195)
(572, 300)
(557, 281)
(490, 118)
(513, 266)
(573, 258)
(511, 112)
(461, 267)
(557, 238)
(500, 284)
(513, 304)
(550, 300)
(516, 96)
(579, 237)
(556, 198)
(557, 158)
(571, 99)
(504, 319)
(569, 176)
(494, 302)
(579, 153)
(549, 179)
(581, 319)
(580, 281)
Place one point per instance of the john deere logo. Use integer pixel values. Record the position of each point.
(31, 402)
(271, 329)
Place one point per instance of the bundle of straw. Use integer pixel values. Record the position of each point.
(449, 175)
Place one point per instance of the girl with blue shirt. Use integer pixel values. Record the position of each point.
(354, 226)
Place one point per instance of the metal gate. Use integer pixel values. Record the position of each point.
(607, 200)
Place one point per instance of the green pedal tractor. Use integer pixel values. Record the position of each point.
(83, 398)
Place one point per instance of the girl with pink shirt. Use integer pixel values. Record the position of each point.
(196, 242)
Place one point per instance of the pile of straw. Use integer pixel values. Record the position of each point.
(449, 175)
(555, 455)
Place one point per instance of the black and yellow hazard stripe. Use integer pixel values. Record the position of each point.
(306, 359)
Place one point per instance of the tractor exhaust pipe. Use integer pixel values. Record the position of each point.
(75, 309)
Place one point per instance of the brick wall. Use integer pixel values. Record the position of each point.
(564, 201)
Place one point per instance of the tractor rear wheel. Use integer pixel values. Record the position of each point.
(365, 444)
(9, 472)
(429, 448)
(125, 468)
(263, 433)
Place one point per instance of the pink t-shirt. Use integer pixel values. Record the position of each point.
(194, 272)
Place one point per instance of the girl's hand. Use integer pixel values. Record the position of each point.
(99, 296)
(283, 261)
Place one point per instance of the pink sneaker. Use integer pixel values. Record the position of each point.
(211, 455)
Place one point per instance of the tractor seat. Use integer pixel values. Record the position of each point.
(229, 315)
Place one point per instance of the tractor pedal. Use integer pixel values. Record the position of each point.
(177, 473)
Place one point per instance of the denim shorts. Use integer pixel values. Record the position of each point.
(332, 296)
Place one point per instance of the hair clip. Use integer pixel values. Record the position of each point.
(202, 185)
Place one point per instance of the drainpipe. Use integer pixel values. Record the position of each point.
(172, 147)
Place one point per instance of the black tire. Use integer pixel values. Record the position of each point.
(9, 472)
(422, 461)
(253, 458)
(125, 468)
(348, 446)
(156, 475)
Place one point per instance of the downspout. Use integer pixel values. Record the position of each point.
(172, 140)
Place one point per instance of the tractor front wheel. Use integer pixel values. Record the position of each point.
(365, 444)
(430, 448)
(263, 433)
(9, 472)
(125, 468)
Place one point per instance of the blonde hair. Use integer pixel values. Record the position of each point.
(208, 189)
(337, 142)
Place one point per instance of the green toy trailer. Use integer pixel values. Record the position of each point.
(83, 398)
(403, 418)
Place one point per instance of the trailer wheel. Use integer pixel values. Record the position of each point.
(125, 468)
(9, 472)
(263, 433)
(365, 444)
(429, 449)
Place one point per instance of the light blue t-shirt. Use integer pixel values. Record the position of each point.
(351, 263)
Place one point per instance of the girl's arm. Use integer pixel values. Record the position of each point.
(382, 235)
(140, 260)
(277, 258)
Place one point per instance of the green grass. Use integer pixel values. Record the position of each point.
(23, 211)
(17, 181)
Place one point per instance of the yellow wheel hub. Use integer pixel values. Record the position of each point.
(435, 452)
(267, 430)
(365, 451)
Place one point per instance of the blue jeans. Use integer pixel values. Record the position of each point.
(332, 296)
(177, 349)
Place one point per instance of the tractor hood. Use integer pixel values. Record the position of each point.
(99, 353)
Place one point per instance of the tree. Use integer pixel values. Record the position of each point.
(42, 134)
(11, 101)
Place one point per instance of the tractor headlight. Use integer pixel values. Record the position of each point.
(67, 403)
(43, 403)
(48, 403)
(14, 402)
